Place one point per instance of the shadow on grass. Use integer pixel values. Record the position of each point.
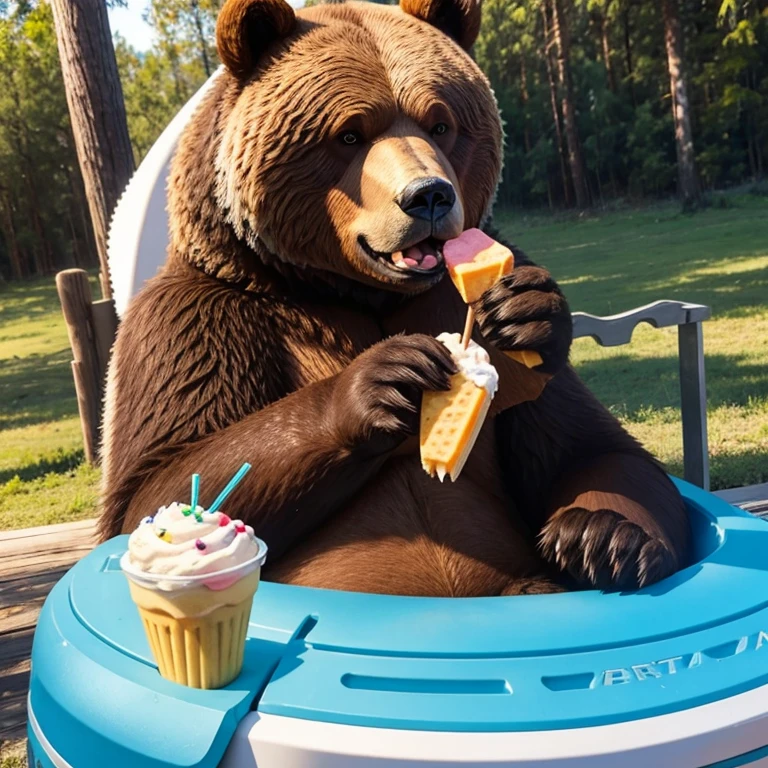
(62, 461)
(36, 389)
(633, 386)
(626, 260)
(34, 297)
(639, 390)
(733, 470)
(736, 294)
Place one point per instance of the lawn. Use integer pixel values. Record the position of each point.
(611, 263)
(606, 263)
(42, 475)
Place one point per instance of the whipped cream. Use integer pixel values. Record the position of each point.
(180, 541)
(474, 362)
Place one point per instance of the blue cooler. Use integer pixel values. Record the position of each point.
(673, 675)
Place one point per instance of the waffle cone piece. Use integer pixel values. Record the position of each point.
(450, 424)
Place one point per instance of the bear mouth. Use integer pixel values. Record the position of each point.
(421, 260)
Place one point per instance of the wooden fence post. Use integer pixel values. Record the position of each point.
(76, 304)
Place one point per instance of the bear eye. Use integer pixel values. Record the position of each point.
(350, 138)
(439, 129)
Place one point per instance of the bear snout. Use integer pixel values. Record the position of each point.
(429, 199)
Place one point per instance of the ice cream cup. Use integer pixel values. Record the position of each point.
(196, 625)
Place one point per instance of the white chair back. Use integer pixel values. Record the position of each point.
(138, 234)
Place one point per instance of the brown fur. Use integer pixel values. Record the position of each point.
(273, 336)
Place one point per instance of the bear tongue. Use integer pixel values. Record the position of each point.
(414, 257)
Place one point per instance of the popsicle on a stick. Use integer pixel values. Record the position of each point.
(475, 263)
(451, 421)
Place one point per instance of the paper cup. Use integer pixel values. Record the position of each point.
(196, 625)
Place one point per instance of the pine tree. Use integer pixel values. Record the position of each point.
(688, 185)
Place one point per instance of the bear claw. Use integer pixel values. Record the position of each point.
(602, 549)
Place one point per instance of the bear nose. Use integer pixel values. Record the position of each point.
(428, 199)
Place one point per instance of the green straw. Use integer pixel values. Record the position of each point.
(195, 491)
(231, 485)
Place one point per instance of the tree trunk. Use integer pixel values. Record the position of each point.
(44, 262)
(11, 241)
(97, 111)
(42, 254)
(688, 187)
(575, 158)
(201, 38)
(555, 110)
(628, 51)
(605, 43)
(524, 97)
(85, 223)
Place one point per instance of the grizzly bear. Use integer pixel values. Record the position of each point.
(282, 331)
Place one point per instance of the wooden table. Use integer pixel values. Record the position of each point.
(34, 559)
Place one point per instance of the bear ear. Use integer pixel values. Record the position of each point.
(459, 19)
(246, 27)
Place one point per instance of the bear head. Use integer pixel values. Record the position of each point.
(347, 140)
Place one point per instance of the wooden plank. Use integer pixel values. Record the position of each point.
(31, 562)
(41, 551)
(84, 537)
(15, 648)
(748, 494)
(35, 562)
(45, 530)
(28, 589)
(13, 700)
(15, 618)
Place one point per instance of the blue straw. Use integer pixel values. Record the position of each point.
(231, 485)
(195, 491)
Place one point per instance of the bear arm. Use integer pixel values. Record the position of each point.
(300, 472)
(538, 442)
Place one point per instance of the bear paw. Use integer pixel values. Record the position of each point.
(525, 310)
(603, 550)
(377, 399)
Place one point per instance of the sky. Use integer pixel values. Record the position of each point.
(128, 22)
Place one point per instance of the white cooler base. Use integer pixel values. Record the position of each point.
(698, 737)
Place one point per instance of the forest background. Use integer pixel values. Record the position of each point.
(603, 100)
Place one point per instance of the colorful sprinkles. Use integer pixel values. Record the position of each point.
(200, 544)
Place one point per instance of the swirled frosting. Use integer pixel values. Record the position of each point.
(180, 541)
(474, 362)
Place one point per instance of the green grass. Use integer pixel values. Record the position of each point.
(611, 263)
(606, 263)
(42, 475)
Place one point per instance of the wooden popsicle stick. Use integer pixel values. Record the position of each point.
(525, 357)
(468, 326)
